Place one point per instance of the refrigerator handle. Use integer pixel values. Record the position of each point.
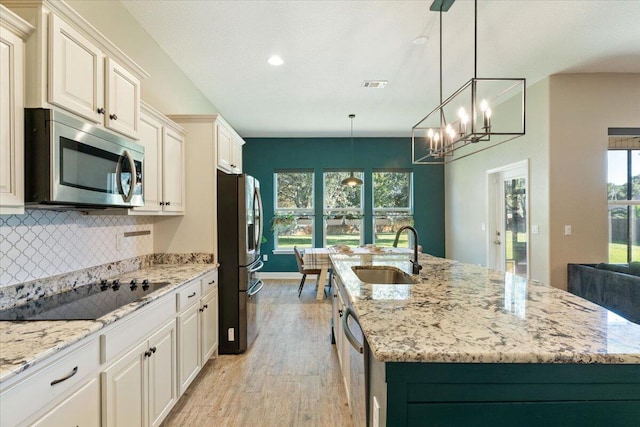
(258, 267)
(259, 284)
(258, 203)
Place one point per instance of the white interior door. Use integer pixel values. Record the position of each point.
(508, 234)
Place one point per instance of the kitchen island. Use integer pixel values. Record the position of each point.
(466, 345)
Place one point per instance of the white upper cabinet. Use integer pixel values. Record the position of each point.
(164, 158)
(122, 99)
(13, 32)
(173, 183)
(71, 65)
(76, 72)
(229, 148)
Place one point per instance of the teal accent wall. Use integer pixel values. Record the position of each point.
(263, 156)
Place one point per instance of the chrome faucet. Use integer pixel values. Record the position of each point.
(416, 267)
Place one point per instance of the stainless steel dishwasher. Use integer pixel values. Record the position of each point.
(358, 372)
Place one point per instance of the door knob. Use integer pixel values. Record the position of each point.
(113, 116)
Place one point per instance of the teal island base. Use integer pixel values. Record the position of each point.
(491, 394)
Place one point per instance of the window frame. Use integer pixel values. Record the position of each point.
(296, 212)
(326, 211)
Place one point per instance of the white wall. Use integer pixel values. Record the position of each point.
(582, 107)
(466, 191)
(566, 143)
(168, 89)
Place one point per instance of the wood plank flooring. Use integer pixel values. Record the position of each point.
(289, 377)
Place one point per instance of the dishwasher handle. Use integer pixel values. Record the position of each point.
(352, 340)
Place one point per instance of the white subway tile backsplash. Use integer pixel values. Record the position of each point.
(46, 243)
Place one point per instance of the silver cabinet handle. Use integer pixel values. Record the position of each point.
(192, 295)
(73, 372)
(352, 340)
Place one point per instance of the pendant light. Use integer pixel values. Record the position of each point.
(352, 181)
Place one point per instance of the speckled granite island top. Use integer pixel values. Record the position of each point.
(24, 344)
(461, 313)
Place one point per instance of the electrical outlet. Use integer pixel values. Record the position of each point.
(567, 230)
(119, 242)
(535, 229)
(231, 335)
(483, 227)
(265, 257)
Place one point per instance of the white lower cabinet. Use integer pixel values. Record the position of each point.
(82, 408)
(209, 325)
(188, 347)
(139, 388)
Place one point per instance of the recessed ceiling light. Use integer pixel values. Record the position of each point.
(275, 60)
(420, 40)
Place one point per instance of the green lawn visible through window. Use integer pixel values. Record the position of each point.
(618, 253)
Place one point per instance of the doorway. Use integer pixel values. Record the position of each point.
(508, 219)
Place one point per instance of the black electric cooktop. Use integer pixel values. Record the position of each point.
(89, 302)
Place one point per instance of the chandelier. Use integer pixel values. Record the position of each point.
(487, 110)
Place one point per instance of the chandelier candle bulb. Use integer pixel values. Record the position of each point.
(430, 135)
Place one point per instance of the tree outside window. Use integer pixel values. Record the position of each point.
(293, 219)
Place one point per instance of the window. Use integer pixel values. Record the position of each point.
(623, 193)
(342, 210)
(392, 206)
(293, 221)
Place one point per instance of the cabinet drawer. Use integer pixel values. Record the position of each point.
(34, 393)
(82, 408)
(209, 282)
(136, 328)
(189, 295)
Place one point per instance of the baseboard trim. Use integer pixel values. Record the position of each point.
(283, 275)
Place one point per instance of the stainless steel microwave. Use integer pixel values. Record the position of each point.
(72, 163)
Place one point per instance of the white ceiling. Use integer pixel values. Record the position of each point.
(331, 47)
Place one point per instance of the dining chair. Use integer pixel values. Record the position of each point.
(302, 270)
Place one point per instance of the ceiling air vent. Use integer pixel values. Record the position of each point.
(374, 84)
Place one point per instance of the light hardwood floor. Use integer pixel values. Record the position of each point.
(289, 377)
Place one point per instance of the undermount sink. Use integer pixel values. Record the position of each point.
(382, 275)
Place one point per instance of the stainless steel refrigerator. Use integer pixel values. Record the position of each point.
(239, 235)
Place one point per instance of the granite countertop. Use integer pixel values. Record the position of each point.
(24, 344)
(461, 313)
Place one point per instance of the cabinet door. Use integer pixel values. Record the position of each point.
(124, 391)
(11, 123)
(76, 71)
(162, 373)
(82, 408)
(236, 156)
(224, 143)
(173, 171)
(151, 139)
(209, 325)
(188, 347)
(123, 100)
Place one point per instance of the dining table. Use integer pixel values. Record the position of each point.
(318, 259)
